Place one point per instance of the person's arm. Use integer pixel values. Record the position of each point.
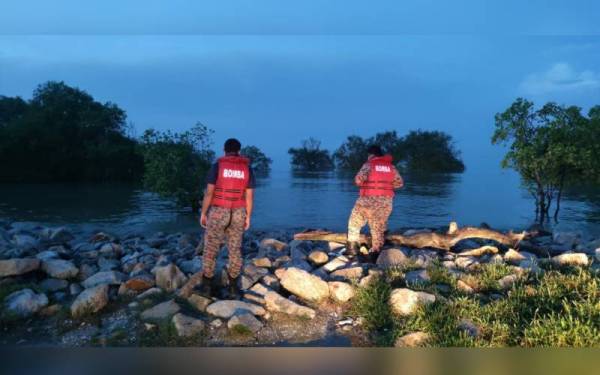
(249, 207)
(398, 180)
(362, 175)
(208, 195)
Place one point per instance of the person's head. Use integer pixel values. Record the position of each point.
(232, 146)
(374, 151)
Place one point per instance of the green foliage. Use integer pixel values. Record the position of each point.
(426, 151)
(164, 334)
(549, 147)
(175, 164)
(63, 135)
(554, 309)
(310, 157)
(260, 163)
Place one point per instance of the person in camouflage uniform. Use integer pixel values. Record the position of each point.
(226, 210)
(377, 180)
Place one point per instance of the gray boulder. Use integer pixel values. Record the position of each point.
(60, 268)
(169, 277)
(405, 301)
(392, 258)
(18, 266)
(52, 285)
(187, 326)
(245, 320)
(304, 285)
(227, 308)
(104, 277)
(571, 259)
(90, 301)
(161, 311)
(277, 303)
(25, 302)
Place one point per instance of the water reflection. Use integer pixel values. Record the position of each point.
(287, 200)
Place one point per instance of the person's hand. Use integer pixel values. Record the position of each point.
(247, 225)
(203, 220)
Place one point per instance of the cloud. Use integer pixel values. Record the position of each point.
(561, 77)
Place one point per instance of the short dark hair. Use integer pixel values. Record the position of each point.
(375, 150)
(232, 145)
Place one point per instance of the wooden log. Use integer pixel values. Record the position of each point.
(442, 241)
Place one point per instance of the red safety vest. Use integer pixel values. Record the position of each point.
(232, 182)
(381, 178)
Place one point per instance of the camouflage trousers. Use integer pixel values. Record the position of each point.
(224, 224)
(372, 210)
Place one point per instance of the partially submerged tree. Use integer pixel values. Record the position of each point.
(420, 151)
(549, 147)
(260, 163)
(310, 157)
(175, 164)
(64, 135)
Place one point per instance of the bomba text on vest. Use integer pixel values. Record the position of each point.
(382, 168)
(233, 173)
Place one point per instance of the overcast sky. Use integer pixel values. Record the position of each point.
(280, 72)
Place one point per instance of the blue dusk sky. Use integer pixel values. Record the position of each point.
(275, 72)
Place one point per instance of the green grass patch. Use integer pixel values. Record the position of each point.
(164, 334)
(552, 309)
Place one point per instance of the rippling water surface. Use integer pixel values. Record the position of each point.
(286, 200)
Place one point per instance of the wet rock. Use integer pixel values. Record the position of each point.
(60, 235)
(149, 293)
(86, 271)
(75, 289)
(318, 257)
(187, 326)
(18, 266)
(275, 302)
(140, 282)
(164, 310)
(89, 301)
(110, 250)
(199, 302)
(169, 277)
(272, 243)
(568, 239)
(340, 292)
(304, 285)
(25, 302)
(191, 266)
(52, 285)
(412, 340)
(245, 320)
(405, 301)
(571, 259)
(347, 274)
(25, 241)
(46, 255)
(392, 258)
(60, 268)
(417, 277)
(335, 263)
(108, 264)
(227, 308)
(104, 277)
(423, 258)
(264, 262)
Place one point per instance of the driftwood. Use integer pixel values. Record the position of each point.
(440, 241)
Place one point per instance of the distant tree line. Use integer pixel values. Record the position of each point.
(63, 135)
(424, 151)
(551, 147)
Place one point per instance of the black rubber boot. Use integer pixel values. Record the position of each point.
(373, 255)
(233, 288)
(351, 249)
(207, 288)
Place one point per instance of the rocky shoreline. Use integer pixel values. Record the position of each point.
(64, 289)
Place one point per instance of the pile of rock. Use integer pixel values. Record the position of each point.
(279, 276)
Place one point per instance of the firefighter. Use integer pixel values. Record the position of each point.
(377, 179)
(226, 211)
